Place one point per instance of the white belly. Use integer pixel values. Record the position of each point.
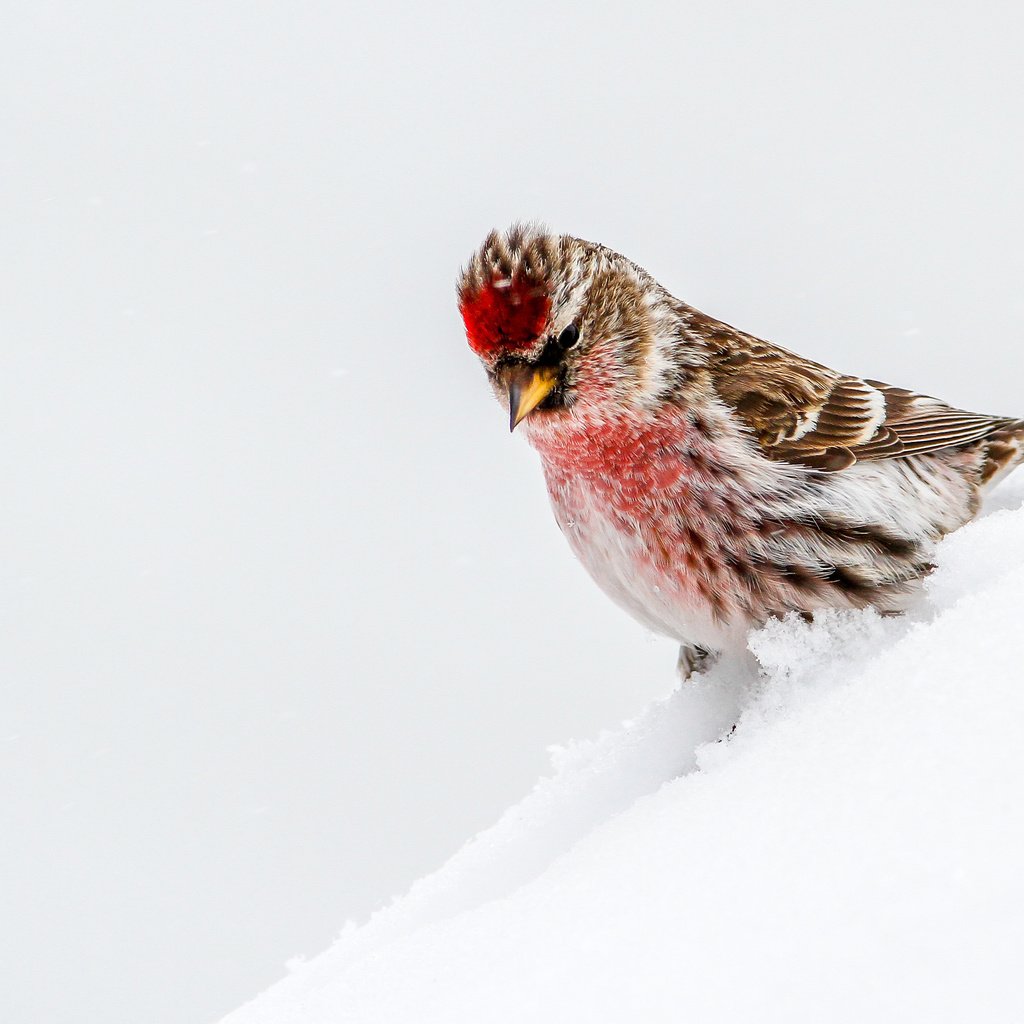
(618, 561)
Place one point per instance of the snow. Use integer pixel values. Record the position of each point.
(850, 852)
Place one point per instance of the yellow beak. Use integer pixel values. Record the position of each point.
(528, 386)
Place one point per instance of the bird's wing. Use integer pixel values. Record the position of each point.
(803, 412)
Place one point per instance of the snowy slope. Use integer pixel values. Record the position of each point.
(851, 852)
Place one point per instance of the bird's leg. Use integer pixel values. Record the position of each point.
(693, 658)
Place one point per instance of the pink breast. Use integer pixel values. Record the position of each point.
(627, 461)
(659, 488)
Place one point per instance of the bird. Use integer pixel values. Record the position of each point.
(709, 480)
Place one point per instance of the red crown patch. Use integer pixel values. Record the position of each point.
(505, 315)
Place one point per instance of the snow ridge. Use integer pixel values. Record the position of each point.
(850, 852)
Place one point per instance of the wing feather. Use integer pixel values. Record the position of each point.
(803, 412)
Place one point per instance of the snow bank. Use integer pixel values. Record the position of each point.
(851, 852)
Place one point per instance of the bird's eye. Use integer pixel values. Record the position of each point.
(569, 336)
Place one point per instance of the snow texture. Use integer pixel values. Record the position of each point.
(850, 852)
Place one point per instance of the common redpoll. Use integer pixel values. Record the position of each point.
(706, 479)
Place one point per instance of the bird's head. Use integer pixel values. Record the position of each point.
(563, 326)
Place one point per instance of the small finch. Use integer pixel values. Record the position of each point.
(706, 479)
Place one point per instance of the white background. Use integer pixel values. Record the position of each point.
(283, 613)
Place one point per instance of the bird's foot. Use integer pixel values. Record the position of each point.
(694, 658)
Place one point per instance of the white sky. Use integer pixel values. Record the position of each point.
(285, 615)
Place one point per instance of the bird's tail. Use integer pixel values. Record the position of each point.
(1004, 452)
